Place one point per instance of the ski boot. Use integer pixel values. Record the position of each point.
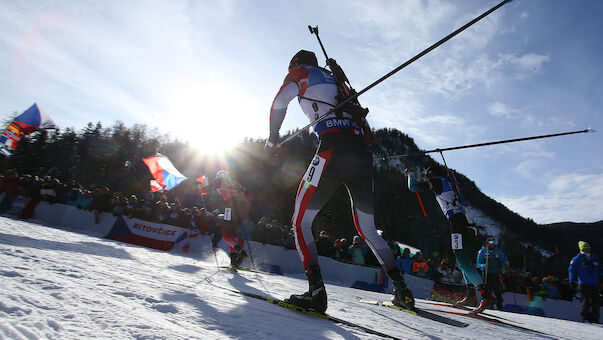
(402, 294)
(470, 299)
(499, 303)
(316, 296)
(237, 257)
(487, 299)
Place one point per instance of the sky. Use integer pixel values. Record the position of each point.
(207, 72)
(59, 284)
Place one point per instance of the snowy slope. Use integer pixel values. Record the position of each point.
(63, 285)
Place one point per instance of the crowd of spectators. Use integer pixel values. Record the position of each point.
(156, 207)
(150, 206)
(442, 269)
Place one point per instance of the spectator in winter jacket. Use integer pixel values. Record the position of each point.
(161, 209)
(358, 250)
(10, 187)
(550, 284)
(584, 269)
(84, 201)
(259, 232)
(405, 262)
(73, 194)
(184, 218)
(491, 261)
(120, 206)
(324, 245)
(246, 228)
(432, 269)
(61, 189)
(419, 266)
(101, 202)
(31, 188)
(289, 239)
(340, 250)
(47, 192)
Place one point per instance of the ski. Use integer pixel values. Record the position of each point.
(418, 312)
(298, 309)
(234, 268)
(479, 316)
(461, 307)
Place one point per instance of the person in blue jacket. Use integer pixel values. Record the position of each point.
(584, 269)
(491, 261)
(404, 262)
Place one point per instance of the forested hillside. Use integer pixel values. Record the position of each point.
(112, 156)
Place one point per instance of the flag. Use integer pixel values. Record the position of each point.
(32, 120)
(204, 184)
(182, 242)
(163, 171)
(155, 186)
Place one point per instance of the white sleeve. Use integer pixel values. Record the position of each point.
(279, 106)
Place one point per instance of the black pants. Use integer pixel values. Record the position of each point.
(493, 282)
(341, 158)
(590, 303)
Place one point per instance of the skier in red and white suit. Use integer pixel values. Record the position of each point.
(342, 157)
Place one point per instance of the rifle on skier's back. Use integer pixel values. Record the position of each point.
(344, 91)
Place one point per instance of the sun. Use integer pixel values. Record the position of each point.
(211, 119)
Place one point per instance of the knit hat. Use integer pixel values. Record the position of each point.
(582, 245)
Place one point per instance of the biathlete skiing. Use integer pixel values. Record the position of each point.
(342, 157)
(235, 207)
(462, 235)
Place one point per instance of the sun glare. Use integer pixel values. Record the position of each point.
(208, 118)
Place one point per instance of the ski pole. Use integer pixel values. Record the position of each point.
(421, 203)
(215, 256)
(410, 61)
(485, 144)
(250, 254)
(486, 269)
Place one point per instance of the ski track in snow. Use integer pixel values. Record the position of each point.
(58, 284)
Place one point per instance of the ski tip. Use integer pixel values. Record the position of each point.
(590, 129)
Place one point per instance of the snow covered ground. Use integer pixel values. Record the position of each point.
(57, 284)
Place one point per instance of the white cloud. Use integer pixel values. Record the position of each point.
(526, 168)
(525, 65)
(569, 197)
(501, 110)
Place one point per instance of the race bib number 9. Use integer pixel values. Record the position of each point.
(314, 171)
(227, 214)
(457, 241)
